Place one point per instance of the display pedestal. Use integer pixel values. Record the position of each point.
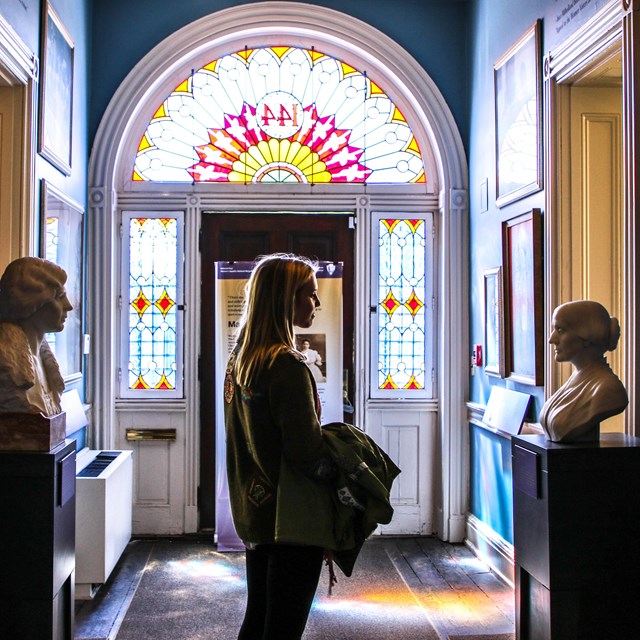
(37, 543)
(576, 521)
(31, 431)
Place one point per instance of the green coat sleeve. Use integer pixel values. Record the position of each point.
(293, 401)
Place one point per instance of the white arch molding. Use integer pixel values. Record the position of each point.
(110, 188)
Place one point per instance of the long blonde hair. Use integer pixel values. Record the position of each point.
(266, 325)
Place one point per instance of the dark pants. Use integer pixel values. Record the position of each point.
(281, 582)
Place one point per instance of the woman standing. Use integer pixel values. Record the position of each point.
(272, 420)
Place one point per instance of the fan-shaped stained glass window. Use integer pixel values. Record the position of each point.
(278, 115)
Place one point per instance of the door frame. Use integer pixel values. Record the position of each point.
(19, 73)
(446, 194)
(207, 374)
(615, 28)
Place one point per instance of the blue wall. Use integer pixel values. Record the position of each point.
(433, 31)
(491, 493)
(494, 25)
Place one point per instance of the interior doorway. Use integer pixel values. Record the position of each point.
(244, 237)
(596, 196)
(12, 112)
(591, 232)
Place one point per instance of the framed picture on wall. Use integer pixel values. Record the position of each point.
(518, 119)
(56, 91)
(61, 242)
(522, 270)
(493, 323)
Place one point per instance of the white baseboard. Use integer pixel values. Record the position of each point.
(457, 526)
(491, 548)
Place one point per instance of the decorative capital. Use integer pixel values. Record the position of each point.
(630, 5)
(546, 68)
(97, 196)
(193, 200)
(458, 198)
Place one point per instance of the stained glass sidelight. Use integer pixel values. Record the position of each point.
(278, 115)
(402, 290)
(153, 247)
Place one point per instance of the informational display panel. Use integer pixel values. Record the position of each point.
(321, 344)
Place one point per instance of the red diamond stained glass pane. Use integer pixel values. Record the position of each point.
(164, 303)
(141, 303)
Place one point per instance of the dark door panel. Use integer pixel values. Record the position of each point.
(244, 237)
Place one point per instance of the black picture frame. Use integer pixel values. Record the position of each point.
(493, 323)
(56, 91)
(61, 242)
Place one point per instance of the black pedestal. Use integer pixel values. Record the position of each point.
(37, 543)
(576, 522)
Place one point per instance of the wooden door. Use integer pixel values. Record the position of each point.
(244, 237)
(597, 229)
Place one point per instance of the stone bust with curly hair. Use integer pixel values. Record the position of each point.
(33, 302)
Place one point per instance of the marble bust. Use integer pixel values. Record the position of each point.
(582, 331)
(33, 302)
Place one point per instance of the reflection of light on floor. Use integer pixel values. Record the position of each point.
(469, 565)
(214, 567)
(384, 604)
(462, 607)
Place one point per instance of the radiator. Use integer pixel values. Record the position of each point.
(104, 493)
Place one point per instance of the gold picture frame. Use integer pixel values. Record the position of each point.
(56, 91)
(518, 119)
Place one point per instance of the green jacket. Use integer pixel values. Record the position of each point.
(340, 517)
(291, 481)
(275, 422)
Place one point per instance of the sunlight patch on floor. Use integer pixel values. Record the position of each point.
(216, 568)
(378, 603)
(460, 606)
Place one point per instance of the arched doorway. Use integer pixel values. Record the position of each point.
(167, 473)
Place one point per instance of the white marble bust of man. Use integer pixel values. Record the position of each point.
(33, 301)
(582, 331)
